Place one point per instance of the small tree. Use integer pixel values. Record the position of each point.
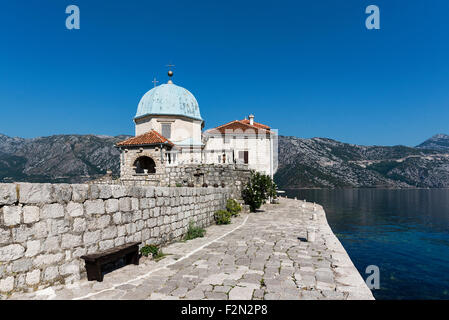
(258, 190)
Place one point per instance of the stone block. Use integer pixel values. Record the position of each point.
(130, 228)
(5, 236)
(62, 193)
(40, 230)
(21, 265)
(105, 191)
(149, 192)
(118, 191)
(33, 277)
(48, 259)
(51, 244)
(11, 252)
(146, 234)
(106, 244)
(79, 225)
(91, 237)
(121, 231)
(112, 205)
(135, 192)
(127, 217)
(137, 215)
(78, 252)
(52, 211)
(160, 201)
(70, 241)
(33, 248)
(140, 224)
(134, 204)
(57, 226)
(119, 241)
(69, 268)
(51, 273)
(103, 222)
(94, 192)
(8, 193)
(145, 214)
(12, 215)
(31, 214)
(79, 192)
(125, 204)
(117, 217)
(35, 193)
(138, 236)
(7, 285)
(75, 209)
(94, 207)
(165, 191)
(109, 233)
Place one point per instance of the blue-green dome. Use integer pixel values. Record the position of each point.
(169, 99)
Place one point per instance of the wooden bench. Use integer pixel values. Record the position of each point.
(94, 262)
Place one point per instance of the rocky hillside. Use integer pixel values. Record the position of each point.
(437, 142)
(326, 163)
(303, 163)
(60, 158)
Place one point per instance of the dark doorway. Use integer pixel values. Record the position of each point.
(243, 156)
(143, 163)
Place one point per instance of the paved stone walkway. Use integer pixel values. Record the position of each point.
(261, 255)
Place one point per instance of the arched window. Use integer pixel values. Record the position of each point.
(145, 163)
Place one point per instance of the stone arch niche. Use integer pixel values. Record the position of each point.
(144, 164)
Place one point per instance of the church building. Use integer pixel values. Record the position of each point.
(169, 133)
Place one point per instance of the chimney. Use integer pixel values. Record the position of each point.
(251, 119)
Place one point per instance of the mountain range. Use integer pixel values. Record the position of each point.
(303, 163)
(59, 158)
(326, 163)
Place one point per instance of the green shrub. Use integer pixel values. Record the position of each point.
(178, 185)
(222, 217)
(233, 207)
(149, 249)
(194, 232)
(258, 190)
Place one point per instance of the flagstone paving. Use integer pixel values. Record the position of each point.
(263, 255)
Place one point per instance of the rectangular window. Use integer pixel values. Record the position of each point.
(166, 130)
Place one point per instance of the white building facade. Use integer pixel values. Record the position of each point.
(168, 132)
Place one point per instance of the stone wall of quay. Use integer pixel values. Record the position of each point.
(46, 228)
(231, 176)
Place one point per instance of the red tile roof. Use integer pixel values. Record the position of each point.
(241, 126)
(259, 125)
(151, 137)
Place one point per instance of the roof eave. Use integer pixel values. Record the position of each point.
(146, 145)
(167, 114)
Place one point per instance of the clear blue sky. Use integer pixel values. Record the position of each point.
(307, 68)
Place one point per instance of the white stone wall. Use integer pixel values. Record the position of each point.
(181, 128)
(46, 228)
